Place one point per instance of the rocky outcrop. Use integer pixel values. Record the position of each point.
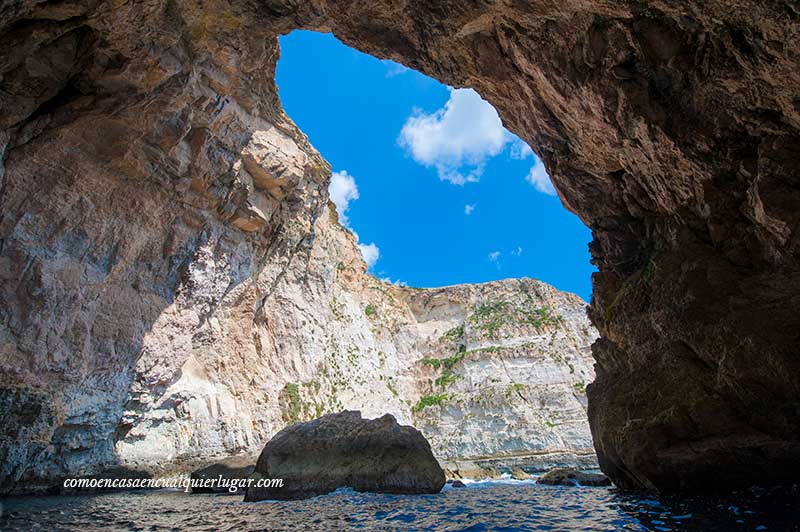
(345, 450)
(469, 470)
(158, 215)
(571, 477)
(225, 476)
(519, 474)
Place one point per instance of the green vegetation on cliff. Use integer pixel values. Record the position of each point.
(446, 380)
(491, 317)
(541, 317)
(430, 400)
(289, 400)
(449, 362)
(453, 335)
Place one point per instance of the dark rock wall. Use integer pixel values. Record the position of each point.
(671, 128)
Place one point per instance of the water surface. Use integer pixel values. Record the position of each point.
(495, 506)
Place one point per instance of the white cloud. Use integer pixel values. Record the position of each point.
(370, 252)
(517, 252)
(540, 180)
(520, 150)
(494, 257)
(458, 138)
(397, 282)
(342, 191)
(394, 69)
(469, 208)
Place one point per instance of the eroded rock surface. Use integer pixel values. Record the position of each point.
(158, 211)
(572, 477)
(504, 384)
(344, 450)
(226, 476)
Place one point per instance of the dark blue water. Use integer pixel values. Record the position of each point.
(494, 506)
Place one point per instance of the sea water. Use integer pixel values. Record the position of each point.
(497, 506)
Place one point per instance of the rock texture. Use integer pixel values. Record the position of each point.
(519, 474)
(158, 211)
(345, 450)
(571, 477)
(220, 474)
(151, 191)
(330, 336)
(460, 470)
(506, 380)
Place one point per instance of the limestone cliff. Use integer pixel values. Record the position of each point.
(505, 370)
(489, 372)
(330, 337)
(155, 205)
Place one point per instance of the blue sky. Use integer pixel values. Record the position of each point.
(436, 190)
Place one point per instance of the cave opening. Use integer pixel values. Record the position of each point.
(158, 217)
(439, 198)
(437, 191)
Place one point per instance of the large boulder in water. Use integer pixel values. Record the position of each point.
(345, 450)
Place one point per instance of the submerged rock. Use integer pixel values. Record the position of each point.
(572, 477)
(226, 475)
(345, 450)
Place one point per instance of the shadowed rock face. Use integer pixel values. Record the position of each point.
(225, 476)
(139, 142)
(344, 450)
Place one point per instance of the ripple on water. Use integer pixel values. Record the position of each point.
(500, 506)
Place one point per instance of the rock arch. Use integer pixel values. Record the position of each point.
(137, 136)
